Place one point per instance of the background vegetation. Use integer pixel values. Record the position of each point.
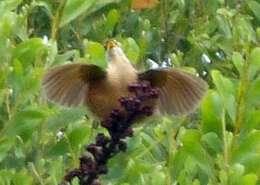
(219, 144)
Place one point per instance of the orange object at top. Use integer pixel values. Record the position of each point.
(141, 4)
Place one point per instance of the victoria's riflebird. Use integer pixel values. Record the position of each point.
(98, 89)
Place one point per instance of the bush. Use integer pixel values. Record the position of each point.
(219, 144)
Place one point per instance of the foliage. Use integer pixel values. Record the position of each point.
(219, 144)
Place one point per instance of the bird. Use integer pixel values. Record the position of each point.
(99, 89)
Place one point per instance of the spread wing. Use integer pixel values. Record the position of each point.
(180, 92)
(68, 84)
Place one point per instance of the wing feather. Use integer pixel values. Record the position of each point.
(180, 92)
(68, 84)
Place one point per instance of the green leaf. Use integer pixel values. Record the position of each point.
(158, 178)
(101, 3)
(112, 20)
(6, 176)
(24, 123)
(238, 61)
(149, 141)
(247, 147)
(29, 50)
(212, 142)
(22, 178)
(253, 97)
(226, 89)
(224, 26)
(65, 56)
(224, 85)
(131, 49)
(73, 9)
(236, 172)
(79, 135)
(177, 162)
(249, 179)
(6, 143)
(252, 121)
(191, 145)
(97, 54)
(60, 148)
(254, 62)
(211, 113)
(243, 33)
(255, 8)
(63, 116)
(9, 5)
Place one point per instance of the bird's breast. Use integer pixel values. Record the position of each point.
(103, 95)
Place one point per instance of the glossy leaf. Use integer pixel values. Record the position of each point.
(226, 89)
(73, 9)
(29, 50)
(255, 8)
(254, 60)
(97, 54)
(238, 61)
(211, 113)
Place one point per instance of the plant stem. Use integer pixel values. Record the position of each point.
(36, 173)
(223, 124)
(7, 102)
(243, 85)
(56, 19)
(73, 155)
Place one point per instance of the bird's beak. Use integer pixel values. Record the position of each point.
(111, 44)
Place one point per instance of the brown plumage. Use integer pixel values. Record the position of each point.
(73, 84)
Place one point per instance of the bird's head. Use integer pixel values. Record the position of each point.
(113, 50)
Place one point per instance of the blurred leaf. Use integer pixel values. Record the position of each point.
(97, 54)
(29, 50)
(147, 140)
(101, 4)
(112, 20)
(252, 93)
(24, 123)
(6, 143)
(211, 113)
(60, 148)
(246, 147)
(191, 144)
(79, 135)
(62, 117)
(177, 163)
(254, 61)
(252, 122)
(22, 178)
(236, 172)
(212, 142)
(249, 179)
(131, 49)
(226, 89)
(238, 61)
(158, 178)
(73, 9)
(6, 176)
(65, 56)
(255, 8)
(9, 5)
(224, 26)
(244, 32)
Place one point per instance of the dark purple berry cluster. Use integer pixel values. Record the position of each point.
(118, 125)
